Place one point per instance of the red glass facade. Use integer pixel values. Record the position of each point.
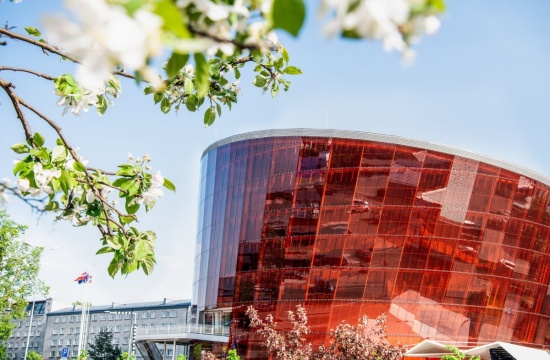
(447, 244)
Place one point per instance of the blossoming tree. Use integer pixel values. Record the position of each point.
(366, 341)
(209, 43)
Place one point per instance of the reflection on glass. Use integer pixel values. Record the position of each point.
(448, 247)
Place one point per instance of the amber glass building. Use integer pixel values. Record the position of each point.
(449, 244)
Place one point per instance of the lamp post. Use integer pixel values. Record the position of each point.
(32, 306)
(131, 337)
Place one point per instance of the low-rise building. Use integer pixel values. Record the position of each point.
(64, 326)
(30, 329)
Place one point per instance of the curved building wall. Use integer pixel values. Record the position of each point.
(448, 244)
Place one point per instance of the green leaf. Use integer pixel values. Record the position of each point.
(219, 109)
(237, 73)
(52, 205)
(23, 167)
(279, 63)
(149, 90)
(202, 76)
(101, 104)
(165, 105)
(188, 86)
(126, 219)
(133, 188)
(38, 139)
(33, 31)
(286, 57)
(439, 5)
(191, 103)
(288, 15)
(113, 267)
(20, 148)
(274, 89)
(131, 207)
(66, 181)
(169, 185)
(292, 70)
(59, 153)
(175, 64)
(104, 250)
(125, 170)
(259, 81)
(78, 166)
(209, 116)
(158, 97)
(142, 250)
(173, 20)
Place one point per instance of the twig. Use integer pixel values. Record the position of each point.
(42, 45)
(226, 41)
(45, 76)
(8, 86)
(28, 201)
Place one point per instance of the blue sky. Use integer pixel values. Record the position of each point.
(482, 84)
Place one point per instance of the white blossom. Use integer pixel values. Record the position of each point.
(23, 185)
(104, 38)
(90, 196)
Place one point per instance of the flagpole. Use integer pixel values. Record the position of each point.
(83, 316)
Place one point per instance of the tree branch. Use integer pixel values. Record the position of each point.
(204, 34)
(42, 45)
(15, 100)
(31, 202)
(45, 76)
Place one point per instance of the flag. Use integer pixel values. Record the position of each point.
(84, 278)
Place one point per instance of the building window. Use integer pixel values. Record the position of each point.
(172, 326)
(173, 313)
(28, 323)
(36, 344)
(39, 322)
(69, 342)
(153, 315)
(103, 317)
(125, 340)
(18, 334)
(164, 314)
(63, 320)
(37, 333)
(126, 327)
(128, 316)
(72, 318)
(92, 330)
(56, 320)
(163, 326)
(169, 352)
(9, 345)
(144, 315)
(109, 328)
(143, 326)
(116, 341)
(77, 330)
(118, 316)
(58, 353)
(94, 317)
(71, 330)
(54, 342)
(75, 353)
(61, 331)
(118, 328)
(52, 353)
(111, 317)
(75, 342)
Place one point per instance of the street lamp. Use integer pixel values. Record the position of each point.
(33, 303)
(131, 338)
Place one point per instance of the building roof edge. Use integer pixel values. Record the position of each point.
(389, 139)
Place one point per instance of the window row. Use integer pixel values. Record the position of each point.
(15, 345)
(25, 333)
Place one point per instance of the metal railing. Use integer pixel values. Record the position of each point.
(185, 328)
